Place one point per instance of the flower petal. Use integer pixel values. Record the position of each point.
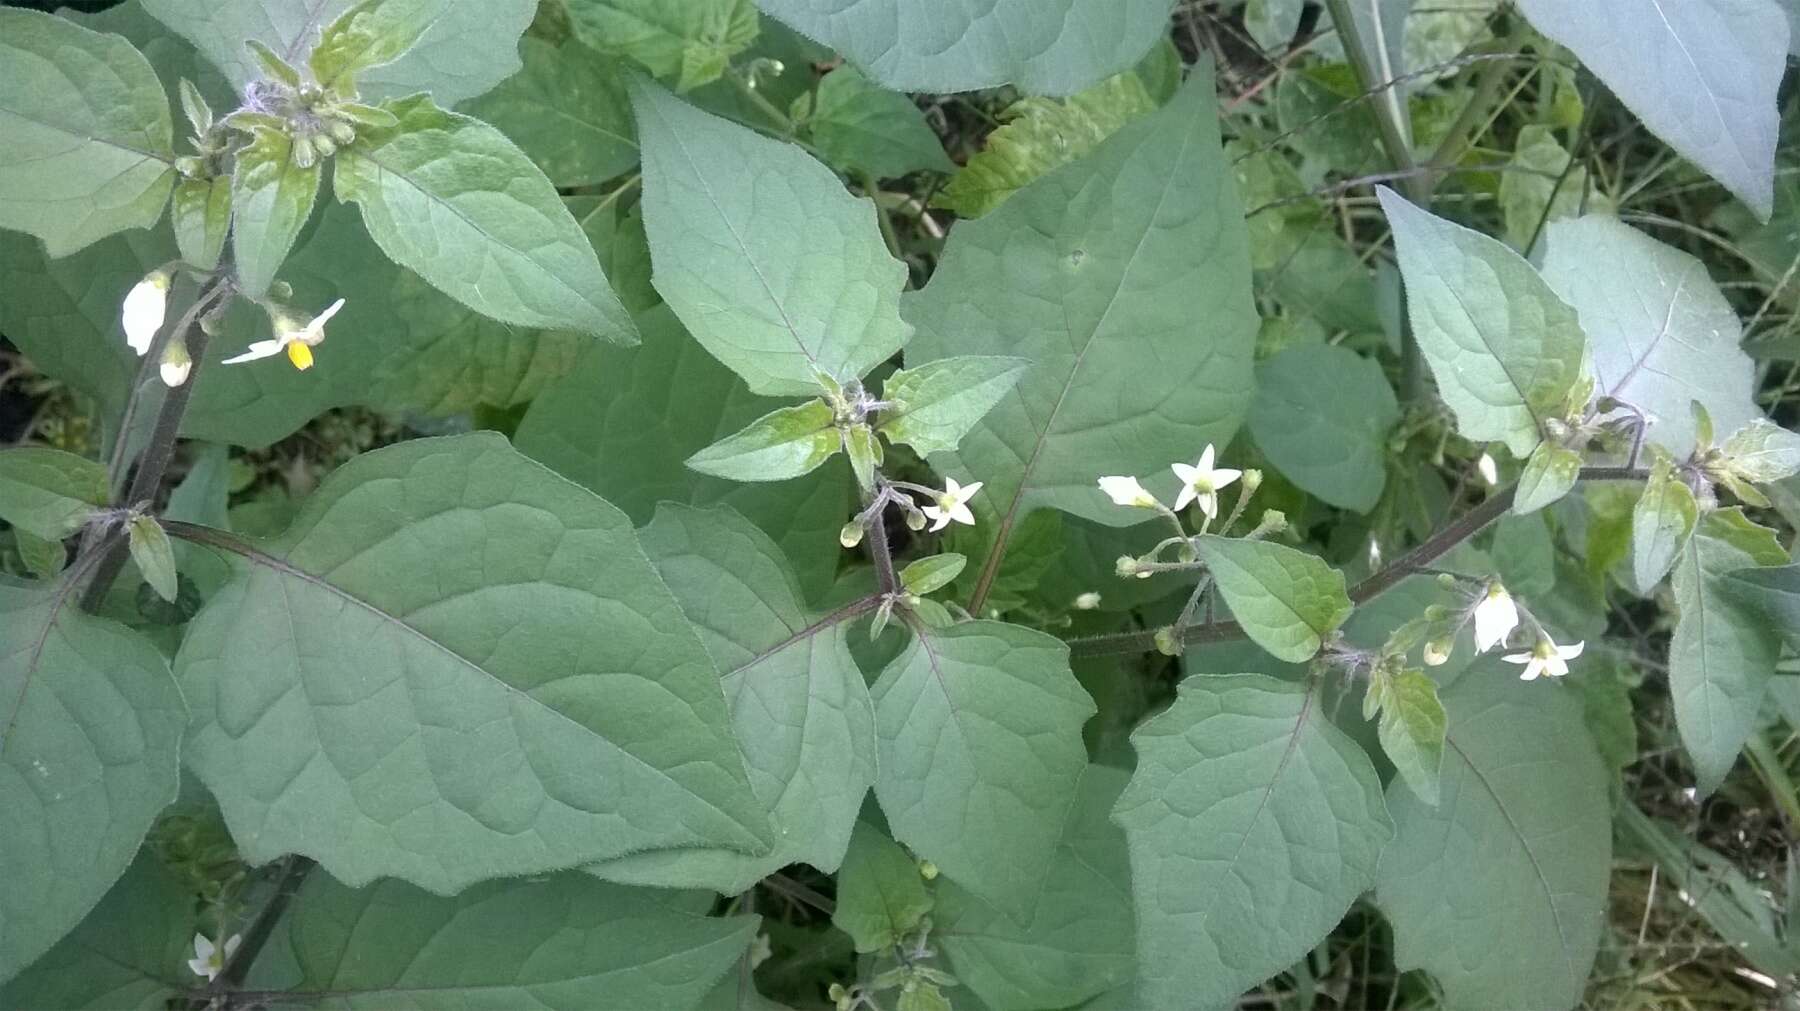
(256, 352)
(1221, 478)
(1185, 496)
(1206, 458)
(961, 514)
(1209, 504)
(1518, 658)
(1571, 652)
(1185, 472)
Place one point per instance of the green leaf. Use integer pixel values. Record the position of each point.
(691, 41)
(89, 140)
(271, 198)
(1322, 414)
(1253, 824)
(943, 45)
(1412, 731)
(153, 554)
(48, 492)
(1092, 273)
(786, 442)
(1039, 135)
(1662, 334)
(1661, 522)
(1081, 941)
(1499, 889)
(666, 399)
(1701, 75)
(880, 895)
(1539, 186)
(89, 725)
(772, 266)
(1287, 600)
(453, 200)
(370, 34)
(980, 731)
(1550, 473)
(924, 575)
(1762, 452)
(567, 940)
(1505, 350)
(1722, 653)
(800, 709)
(1273, 23)
(130, 952)
(201, 214)
(860, 127)
(937, 403)
(1772, 591)
(453, 649)
(567, 110)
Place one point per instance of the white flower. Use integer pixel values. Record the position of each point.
(209, 960)
(953, 504)
(1201, 483)
(1490, 472)
(1495, 618)
(1087, 601)
(298, 342)
(176, 363)
(1545, 657)
(1126, 491)
(146, 304)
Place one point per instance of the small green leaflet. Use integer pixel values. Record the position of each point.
(1762, 452)
(1322, 415)
(1287, 600)
(89, 725)
(771, 264)
(861, 128)
(1253, 824)
(89, 139)
(937, 403)
(1499, 889)
(689, 42)
(980, 750)
(1411, 731)
(1506, 351)
(1661, 522)
(787, 442)
(154, 555)
(201, 214)
(49, 492)
(1550, 473)
(370, 34)
(1535, 190)
(271, 198)
(881, 897)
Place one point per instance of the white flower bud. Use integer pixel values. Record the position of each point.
(146, 305)
(176, 363)
(1087, 601)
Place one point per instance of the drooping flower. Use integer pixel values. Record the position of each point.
(297, 340)
(209, 959)
(1495, 618)
(1546, 657)
(1201, 483)
(1126, 491)
(1490, 471)
(953, 504)
(176, 363)
(146, 305)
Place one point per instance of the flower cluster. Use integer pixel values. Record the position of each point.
(1496, 616)
(1200, 483)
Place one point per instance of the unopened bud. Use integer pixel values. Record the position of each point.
(176, 363)
(1273, 521)
(915, 519)
(1446, 580)
(1166, 641)
(342, 132)
(1252, 480)
(851, 535)
(928, 870)
(1126, 566)
(303, 153)
(1556, 429)
(323, 145)
(1437, 651)
(1087, 601)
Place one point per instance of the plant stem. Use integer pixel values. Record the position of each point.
(781, 120)
(885, 220)
(256, 936)
(147, 368)
(1413, 562)
(875, 535)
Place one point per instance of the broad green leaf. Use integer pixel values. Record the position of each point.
(1499, 889)
(1287, 600)
(1701, 74)
(370, 34)
(1660, 524)
(934, 572)
(153, 555)
(881, 896)
(1081, 941)
(787, 442)
(1772, 592)
(1412, 731)
(48, 492)
(89, 724)
(1505, 349)
(1550, 473)
(859, 127)
(1322, 414)
(450, 651)
(201, 214)
(688, 41)
(1762, 452)
(1253, 824)
(937, 403)
(665, 400)
(271, 198)
(800, 708)
(771, 264)
(1539, 186)
(130, 952)
(944, 45)
(1133, 255)
(1273, 23)
(565, 941)
(567, 110)
(1605, 693)
(1661, 333)
(43, 558)
(453, 200)
(89, 139)
(980, 750)
(1039, 135)
(1722, 653)
(469, 47)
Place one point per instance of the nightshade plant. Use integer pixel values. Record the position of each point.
(1129, 646)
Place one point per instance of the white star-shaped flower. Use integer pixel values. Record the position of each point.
(209, 959)
(953, 504)
(1546, 657)
(1126, 491)
(146, 305)
(298, 342)
(1495, 618)
(1201, 483)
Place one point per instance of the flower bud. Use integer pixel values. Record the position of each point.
(915, 519)
(176, 363)
(1252, 480)
(1446, 580)
(1490, 472)
(303, 153)
(851, 535)
(928, 870)
(323, 145)
(1087, 601)
(1126, 566)
(342, 132)
(1437, 651)
(1166, 642)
